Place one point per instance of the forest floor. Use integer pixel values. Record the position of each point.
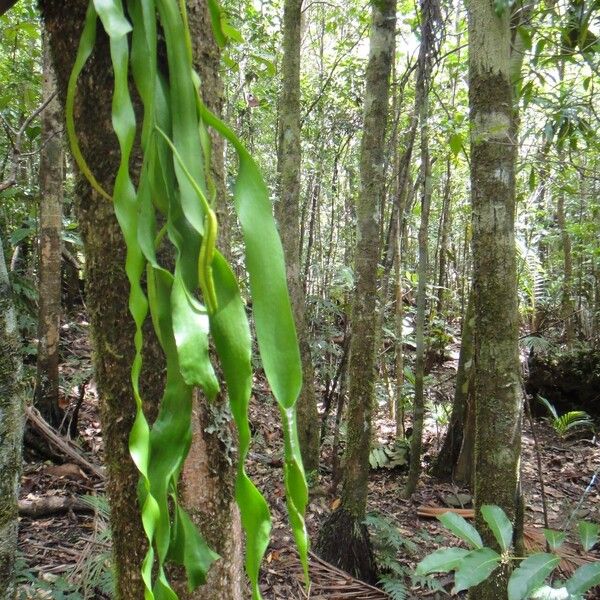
(73, 545)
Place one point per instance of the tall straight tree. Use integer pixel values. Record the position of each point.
(209, 497)
(51, 199)
(287, 212)
(427, 51)
(497, 371)
(12, 406)
(344, 539)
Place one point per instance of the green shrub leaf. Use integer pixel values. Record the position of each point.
(554, 538)
(588, 533)
(462, 529)
(584, 578)
(530, 575)
(441, 561)
(499, 524)
(474, 568)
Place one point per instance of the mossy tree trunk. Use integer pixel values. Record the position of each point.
(107, 289)
(444, 466)
(344, 539)
(287, 212)
(427, 50)
(112, 327)
(207, 482)
(49, 261)
(497, 371)
(12, 407)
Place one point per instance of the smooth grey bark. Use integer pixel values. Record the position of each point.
(287, 211)
(49, 250)
(12, 409)
(497, 384)
(344, 539)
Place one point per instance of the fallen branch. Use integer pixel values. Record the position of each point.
(61, 444)
(327, 581)
(52, 505)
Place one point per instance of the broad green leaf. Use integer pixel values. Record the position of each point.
(531, 574)
(456, 143)
(112, 17)
(588, 534)
(462, 529)
(499, 525)
(191, 550)
(232, 340)
(231, 32)
(268, 63)
(554, 538)
(273, 319)
(474, 568)
(216, 18)
(191, 326)
(441, 561)
(18, 235)
(585, 578)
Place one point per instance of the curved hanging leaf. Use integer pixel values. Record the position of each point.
(173, 190)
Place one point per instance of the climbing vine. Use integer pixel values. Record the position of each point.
(198, 299)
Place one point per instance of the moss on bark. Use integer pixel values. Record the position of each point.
(497, 371)
(112, 327)
(343, 538)
(12, 406)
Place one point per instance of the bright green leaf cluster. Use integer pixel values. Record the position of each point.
(527, 580)
(199, 296)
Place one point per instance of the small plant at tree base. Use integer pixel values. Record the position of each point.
(474, 565)
(565, 423)
(388, 542)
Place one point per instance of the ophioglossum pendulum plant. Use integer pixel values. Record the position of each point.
(197, 299)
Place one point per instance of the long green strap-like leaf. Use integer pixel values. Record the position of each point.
(273, 318)
(172, 190)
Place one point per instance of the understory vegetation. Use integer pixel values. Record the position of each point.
(299, 299)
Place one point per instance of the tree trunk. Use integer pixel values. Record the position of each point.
(497, 369)
(208, 477)
(107, 289)
(49, 264)
(344, 538)
(444, 231)
(398, 329)
(288, 208)
(445, 464)
(429, 12)
(112, 326)
(12, 406)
